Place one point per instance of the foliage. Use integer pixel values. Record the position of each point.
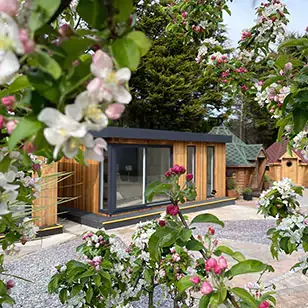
(53, 93)
(267, 178)
(248, 191)
(168, 81)
(291, 232)
(231, 184)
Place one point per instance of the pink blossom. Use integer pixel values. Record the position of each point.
(162, 223)
(1, 121)
(261, 83)
(211, 231)
(272, 110)
(210, 263)
(114, 111)
(189, 177)
(184, 14)
(172, 250)
(195, 279)
(176, 169)
(306, 221)
(10, 284)
(244, 87)
(264, 304)
(288, 67)
(172, 210)
(206, 288)
(10, 126)
(217, 269)
(222, 262)
(8, 101)
(245, 34)
(29, 45)
(9, 7)
(176, 257)
(225, 74)
(167, 174)
(213, 57)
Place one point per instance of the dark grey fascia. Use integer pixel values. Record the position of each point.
(151, 134)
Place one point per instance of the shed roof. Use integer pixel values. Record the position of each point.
(278, 149)
(238, 152)
(151, 134)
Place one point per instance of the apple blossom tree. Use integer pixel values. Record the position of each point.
(64, 72)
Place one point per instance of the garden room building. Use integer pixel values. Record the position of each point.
(246, 163)
(282, 164)
(113, 191)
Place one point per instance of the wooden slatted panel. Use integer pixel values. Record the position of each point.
(83, 184)
(303, 175)
(45, 207)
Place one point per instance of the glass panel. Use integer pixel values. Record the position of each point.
(129, 177)
(191, 154)
(210, 170)
(104, 183)
(158, 162)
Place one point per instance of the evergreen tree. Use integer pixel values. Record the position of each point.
(169, 89)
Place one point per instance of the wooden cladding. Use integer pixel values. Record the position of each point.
(84, 184)
(45, 207)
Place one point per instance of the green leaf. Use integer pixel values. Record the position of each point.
(185, 234)
(300, 117)
(89, 295)
(54, 283)
(24, 129)
(63, 296)
(205, 300)
(5, 163)
(42, 11)
(126, 53)
(76, 290)
(247, 266)
(218, 297)
(246, 297)
(207, 218)
(20, 83)
(294, 43)
(74, 47)
(141, 40)
(184, 283)
(47, 64)
(194, 245)
(124, 8)
(97, 280)
(44, 84)
(93, 12)
(228, 251)
(156, 188)
(163, 237)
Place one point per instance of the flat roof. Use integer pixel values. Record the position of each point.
(153, 134)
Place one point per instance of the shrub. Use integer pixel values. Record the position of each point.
(231, 185)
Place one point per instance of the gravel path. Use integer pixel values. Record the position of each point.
(39, 266)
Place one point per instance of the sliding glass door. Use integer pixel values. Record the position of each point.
(210, 169)
(134, 167)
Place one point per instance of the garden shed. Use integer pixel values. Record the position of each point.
(246, 163)
(135, 158)
(287, 165)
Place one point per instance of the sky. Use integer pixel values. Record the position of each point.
(243, 16)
